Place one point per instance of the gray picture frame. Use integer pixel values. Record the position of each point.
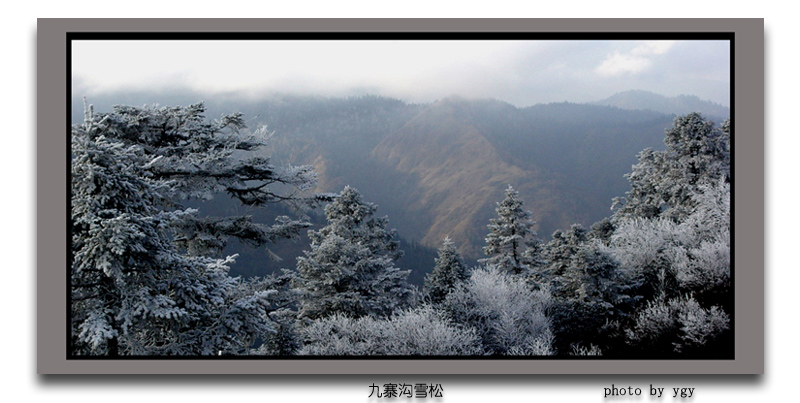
(52, 203)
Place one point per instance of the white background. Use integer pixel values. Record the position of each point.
(18, 64)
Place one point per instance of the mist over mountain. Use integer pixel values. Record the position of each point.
(438, 169)
(678, 105)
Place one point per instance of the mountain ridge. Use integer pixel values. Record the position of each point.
(439, 169)
(677, 105)
(437, 148)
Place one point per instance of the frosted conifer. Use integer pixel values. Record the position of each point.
(663, 182)
(143, 276)
(350, 267)
(448, 271)
(510, 236)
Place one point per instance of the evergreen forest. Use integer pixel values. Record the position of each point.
(167, 202)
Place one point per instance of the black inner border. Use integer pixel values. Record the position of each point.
(454, 36)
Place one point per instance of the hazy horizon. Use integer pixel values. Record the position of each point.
(520, 72)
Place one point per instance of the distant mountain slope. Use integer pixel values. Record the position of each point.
(438, 169)
(459, 177)
(679, 105)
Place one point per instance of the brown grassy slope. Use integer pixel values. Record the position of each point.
(461, 177)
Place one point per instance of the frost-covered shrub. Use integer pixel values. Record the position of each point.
(419, 331)
(700, 326)
(426, 331)
(677, 326)
(502, 309)
(539, 345)
(592, 350)
(703, 265)
(339, 334)
(671, 258)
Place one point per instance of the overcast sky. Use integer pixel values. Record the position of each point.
(519, 72)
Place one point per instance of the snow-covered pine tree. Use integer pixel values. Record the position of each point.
(448, 271)
(143, 277)
(672, 236)
(350, 267)
(510, 236)
(592, 297)
(663, 182)
(558, 255)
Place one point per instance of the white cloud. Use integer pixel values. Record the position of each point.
(634, 61)
(517, 71)
(619, 63)
(330, 66)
